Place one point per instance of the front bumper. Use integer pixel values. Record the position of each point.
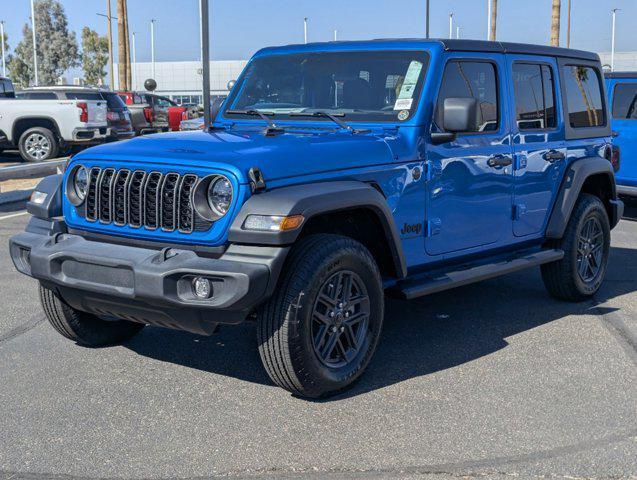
(146, 285)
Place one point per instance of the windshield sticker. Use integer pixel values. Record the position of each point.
(403, 104)
(403, 115)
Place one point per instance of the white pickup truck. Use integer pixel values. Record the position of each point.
(41, 128)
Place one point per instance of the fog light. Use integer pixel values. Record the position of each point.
(202, 287)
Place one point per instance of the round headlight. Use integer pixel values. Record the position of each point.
(220, 195)
(80, 183)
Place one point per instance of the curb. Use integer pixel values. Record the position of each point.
(15, 196)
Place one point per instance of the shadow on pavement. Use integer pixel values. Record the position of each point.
(420, 337)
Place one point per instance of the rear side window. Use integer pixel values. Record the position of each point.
(38, 95)
(83, 96)
(625, 101)
(113, 101)
(534, 96)
(464, 79)
(6, 89)
(584, 96)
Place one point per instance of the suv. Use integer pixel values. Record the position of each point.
(118, 116)
(334, 174)
(622, 96)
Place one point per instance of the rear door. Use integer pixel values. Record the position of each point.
(624, 107)
(470, 180)
(539, 144)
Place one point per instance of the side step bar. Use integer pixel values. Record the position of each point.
(439, 281)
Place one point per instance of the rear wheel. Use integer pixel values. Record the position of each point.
(84, 328)
(320, 329)
(586, 245)
(38, 144)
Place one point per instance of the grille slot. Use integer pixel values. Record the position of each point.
(139, 199)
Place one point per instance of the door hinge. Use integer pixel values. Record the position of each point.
(433, 227)
(519, 210)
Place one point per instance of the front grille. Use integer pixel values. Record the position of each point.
(139, 199)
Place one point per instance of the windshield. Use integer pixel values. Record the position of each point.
(362, 86)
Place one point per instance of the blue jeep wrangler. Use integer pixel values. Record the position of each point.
(333, 175)
(622, 98)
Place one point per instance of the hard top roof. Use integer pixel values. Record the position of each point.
(450, 45)
(620, 75)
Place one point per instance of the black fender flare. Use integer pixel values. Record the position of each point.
(315, 199)
(576, 175)
(51, 207)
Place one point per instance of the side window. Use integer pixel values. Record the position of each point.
(40, 96)
(584, 96)
(464, 79)
(534, 96)
(625, 101)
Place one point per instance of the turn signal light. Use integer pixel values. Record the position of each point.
(273, 223)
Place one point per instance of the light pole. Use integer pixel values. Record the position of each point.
(110, 43)
(427, 19)
(451, 25)
(134, 86)
(4, 65)
(152, 46)
(568, 25)
(35, 48)
(336, 35)
(305, 29)
(488, 19)
(205, 58)
(457, 32)
(612, 42)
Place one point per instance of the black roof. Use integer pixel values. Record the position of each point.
(520, 48)
(620, 74)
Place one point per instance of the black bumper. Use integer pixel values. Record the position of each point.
(147, 285)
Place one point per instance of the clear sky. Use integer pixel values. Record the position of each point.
(240, 27)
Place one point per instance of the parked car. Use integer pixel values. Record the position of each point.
(43, 125)
(118, 116)
(192, 124)
(622, 96)
(335, 174)
(152, 113)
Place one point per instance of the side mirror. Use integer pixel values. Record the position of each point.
(460, 115)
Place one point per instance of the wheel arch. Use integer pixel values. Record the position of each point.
(23, 124)
(593, 175)
(354, 209)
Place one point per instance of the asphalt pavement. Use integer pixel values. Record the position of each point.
(492, 380)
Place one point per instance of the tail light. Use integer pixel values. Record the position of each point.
(148, 114)
(83, 111)
(112, 116)
(184, 115)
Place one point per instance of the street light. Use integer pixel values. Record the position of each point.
(457, 32)
(451, 25)
(427, 19)
(152, 46)
(489, 19)
(4, 65)
(35, 48)
(612, 42)
(134, 63)
(336, 35)
(305, 29)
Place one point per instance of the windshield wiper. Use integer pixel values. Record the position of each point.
(331, 116)
(272, 129)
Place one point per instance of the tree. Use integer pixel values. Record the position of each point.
(7, 57)
(57, 47)
(555, 23)
(94, 56)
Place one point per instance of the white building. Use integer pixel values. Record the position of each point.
(182, 81)
(624, 61)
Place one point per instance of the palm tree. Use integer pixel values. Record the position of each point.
(494, 19)
(555, 23)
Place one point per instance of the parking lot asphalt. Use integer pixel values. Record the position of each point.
(492, 380)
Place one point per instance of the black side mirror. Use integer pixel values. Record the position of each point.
(460, 115)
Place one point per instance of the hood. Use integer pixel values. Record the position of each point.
(287, 155)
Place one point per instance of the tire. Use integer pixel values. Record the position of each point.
(564, 279)
(38, 144)
(294, 318)
(84, 328)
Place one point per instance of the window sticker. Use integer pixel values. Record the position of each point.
(408, 89)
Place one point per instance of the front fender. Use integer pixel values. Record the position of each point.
(311, 200)
(576, 175)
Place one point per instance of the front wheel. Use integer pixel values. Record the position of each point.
(586, 244)
(319, 331)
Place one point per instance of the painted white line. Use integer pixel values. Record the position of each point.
(13, 215)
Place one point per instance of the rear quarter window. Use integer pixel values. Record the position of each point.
(584, 96)
(625, 101)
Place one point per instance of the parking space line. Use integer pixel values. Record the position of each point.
(13, 215)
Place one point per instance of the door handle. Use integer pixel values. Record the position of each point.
(553, 156)
(499, 161)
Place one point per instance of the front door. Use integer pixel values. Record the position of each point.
(624, 97)
(539, 147)
(470, 178)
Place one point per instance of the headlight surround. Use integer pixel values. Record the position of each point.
(220, 195)
(77, 185)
